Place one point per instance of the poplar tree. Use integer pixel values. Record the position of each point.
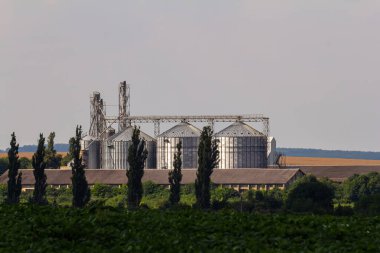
(51, 158)
(208, 156)
(39, 165)
(175, 177)
(81, 191)
(14, 177)
(137, 155)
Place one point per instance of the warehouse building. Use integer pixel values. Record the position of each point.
(238, 179)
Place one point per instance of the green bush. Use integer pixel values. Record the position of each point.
(264, 200)
(103, 191)
(3, 192)
(55, 192)
(368, 205)
(188, 189)
(308, 194)
(25, 163)
(274, 199)
(248, 195)
(121, 190)
(359, 186)
(188, 199)
(116, 201)
(59, 196)
(155, 201)
(151, 188)
(223, 194)
(343, 210)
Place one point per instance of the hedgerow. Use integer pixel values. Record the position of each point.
(26, 228)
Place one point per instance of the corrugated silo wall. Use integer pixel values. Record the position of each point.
(115, 155)
(106, 156)
(242, 152)
(151, 161)
(94, 155)
(167, 147)
(91, 153)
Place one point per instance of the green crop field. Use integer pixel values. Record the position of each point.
(50, 229)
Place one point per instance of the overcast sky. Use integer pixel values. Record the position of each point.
(312, 66)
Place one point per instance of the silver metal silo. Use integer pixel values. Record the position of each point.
(167, 146)
(91, 152)
(115, 150)
(242, 146)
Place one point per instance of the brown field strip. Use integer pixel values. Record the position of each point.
(290, 160)
(28, 154)
(316, 161)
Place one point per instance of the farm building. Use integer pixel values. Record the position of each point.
(238, 179)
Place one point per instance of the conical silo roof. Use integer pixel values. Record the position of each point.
(238, 129)
(126, 135)
(182, 130)
(88, 138)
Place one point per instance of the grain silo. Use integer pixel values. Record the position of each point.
(167, 146)
(91, 152)
(115, 150)
(241, 146)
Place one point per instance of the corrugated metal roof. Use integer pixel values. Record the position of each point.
(182, 130)
(239, 129)
(126, 135)
(117, 177)
(88, 138)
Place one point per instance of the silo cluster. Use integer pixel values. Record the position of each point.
(167, 146)
(240, 146)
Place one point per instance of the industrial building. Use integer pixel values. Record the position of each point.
(238, 179)
(240, 144)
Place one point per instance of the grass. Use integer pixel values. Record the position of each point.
(48, 229)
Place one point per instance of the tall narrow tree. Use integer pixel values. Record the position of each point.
(175, 176)
(81, 191)
(14, 177)
(69, 156)
(208, 156)
(39, 193)
(51, 158)
(137, 155)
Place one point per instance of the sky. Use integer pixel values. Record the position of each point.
(311, 66)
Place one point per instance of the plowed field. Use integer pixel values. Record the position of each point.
(315, 161)
(28, 154)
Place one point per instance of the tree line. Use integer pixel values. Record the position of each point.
(52, 159)
(360, 193)
(137, 155)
